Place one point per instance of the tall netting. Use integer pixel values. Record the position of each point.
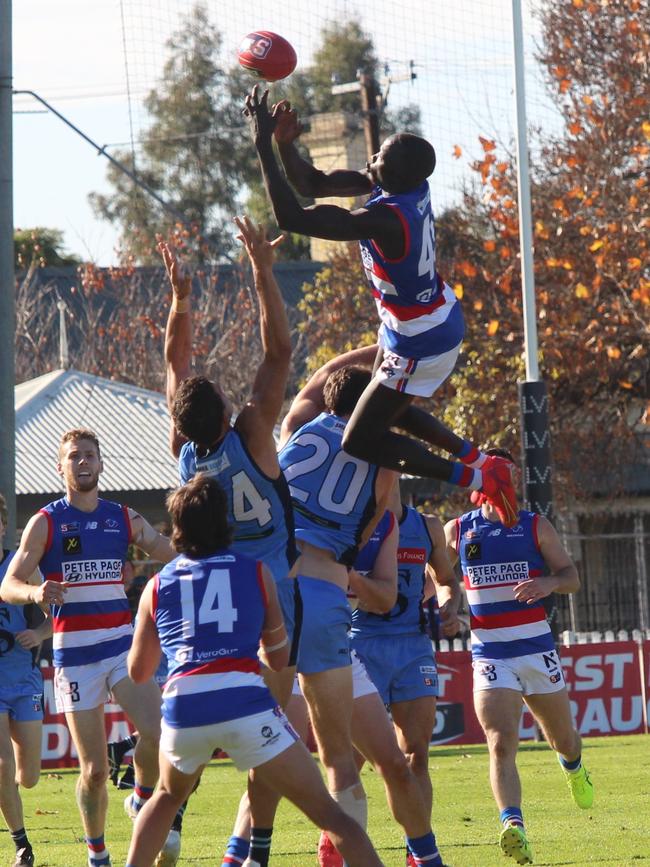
(452, 62)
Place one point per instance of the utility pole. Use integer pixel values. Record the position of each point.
(372, 102)
(7, 284)
(370, 112)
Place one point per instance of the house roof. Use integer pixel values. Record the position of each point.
(132, 425)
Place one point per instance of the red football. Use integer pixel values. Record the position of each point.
(268, 55)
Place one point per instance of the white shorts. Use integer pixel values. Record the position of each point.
(361, 683)
(84, 687)
(536, 674)
(249, 741)
(419, 376)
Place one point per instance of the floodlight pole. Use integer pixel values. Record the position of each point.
(533, 398)
(7, 284)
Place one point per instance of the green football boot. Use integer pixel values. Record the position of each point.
(580, 786)
(514, 843)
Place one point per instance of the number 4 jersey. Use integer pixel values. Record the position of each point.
(259, 508)
(420, 315)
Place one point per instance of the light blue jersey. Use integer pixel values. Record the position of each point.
(259, 508)
(406, 616)
(333, 494)
(19, 673)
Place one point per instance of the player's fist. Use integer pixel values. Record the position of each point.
(49, 593)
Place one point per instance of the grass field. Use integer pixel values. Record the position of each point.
(615, 834)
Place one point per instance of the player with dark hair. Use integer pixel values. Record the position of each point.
(508, 572)
(336, 500)
(422, 324)
(80, 543)
(241, 455)
(22, 629)
(215, 695)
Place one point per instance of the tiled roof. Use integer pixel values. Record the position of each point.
(132, 425)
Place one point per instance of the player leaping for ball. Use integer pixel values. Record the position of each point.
(421, 320)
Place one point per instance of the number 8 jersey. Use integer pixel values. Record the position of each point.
(420, 314)
(333, 494)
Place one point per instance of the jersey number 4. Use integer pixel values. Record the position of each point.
(427, 263)
(215, 605)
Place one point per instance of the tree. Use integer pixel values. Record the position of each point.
(591, 216)
(196, 154)
(42, 247)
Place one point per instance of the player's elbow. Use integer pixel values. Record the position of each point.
(387, 601)
(137, 669)
(278, 659)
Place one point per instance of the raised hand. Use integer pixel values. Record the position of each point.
(257, 111)
(260, 250)
(287, 126)
(179, 276)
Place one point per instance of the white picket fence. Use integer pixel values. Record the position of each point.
(567, 638)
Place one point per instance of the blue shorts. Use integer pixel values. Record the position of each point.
(317, 615)
(23, 701)
(402, 667)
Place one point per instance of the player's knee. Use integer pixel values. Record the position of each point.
(394, 768)
(352, 441)
(501, 744)
(28, 777)
(149, 733)
(417, 755)
(94, 776)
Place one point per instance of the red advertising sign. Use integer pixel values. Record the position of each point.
(604, 683)
(608, 683)
(456, 721)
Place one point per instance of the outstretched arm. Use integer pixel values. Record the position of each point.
(306, 178)
(259, 417)
(319, 221)
(308, 403)
(178, 334)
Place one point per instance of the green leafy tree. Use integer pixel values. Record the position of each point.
(196, 154)
(591, 218)
(40, 247)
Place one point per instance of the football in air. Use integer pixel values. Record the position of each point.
(267, 55)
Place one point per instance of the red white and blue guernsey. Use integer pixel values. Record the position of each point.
(209, 614)
(87, 551)
(420, 314)
(494, 559)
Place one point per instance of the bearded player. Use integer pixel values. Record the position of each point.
(80, 544)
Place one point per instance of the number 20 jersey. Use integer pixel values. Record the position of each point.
(494, 559)
(333, 494)
(420, 315)
(259, 508)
